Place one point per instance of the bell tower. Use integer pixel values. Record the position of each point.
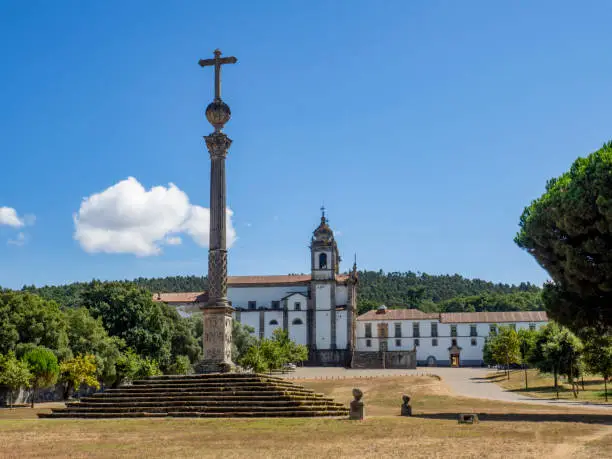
(325, 259)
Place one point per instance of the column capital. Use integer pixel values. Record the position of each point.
(218, 144)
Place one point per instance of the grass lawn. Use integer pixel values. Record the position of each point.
(505, 430)
(541, 385)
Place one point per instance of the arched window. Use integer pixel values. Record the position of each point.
(274, 322)
(297, 321)
(323, 261)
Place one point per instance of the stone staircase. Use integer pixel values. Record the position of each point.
(210, 395)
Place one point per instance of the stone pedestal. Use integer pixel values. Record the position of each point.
(217, 340)
(357, 410)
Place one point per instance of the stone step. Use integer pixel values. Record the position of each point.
(100, 398)
(191, 393)
(235, 414)
(219, 387)
(206, 403)
(196, 408)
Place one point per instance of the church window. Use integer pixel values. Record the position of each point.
(454, 343)
(532, 327)
(368, 330)
(453, 330)
(473, 330)
(398, 329)
(434, 342)
(492, 329)
(415, 330)
(274, 322)
(368, 343)
(297, 321)
(473, 342)
(513, 326)
(252, 304)
(398, 342)
(434, 329)
(298, 306)
(276, 305)
(416, 342)
(322, 261)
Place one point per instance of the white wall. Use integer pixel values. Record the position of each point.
(323, 329)
(323, 296)
(341, 338)
(240, 296)
(250, 318)
(270, 316)
(298, 333)
(341, 295)
(300, 299)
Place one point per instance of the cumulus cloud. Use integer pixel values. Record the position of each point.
(127, 218)
(19, 240)
(8, 216)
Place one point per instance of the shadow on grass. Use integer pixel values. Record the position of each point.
(488, 379)
(604, 419)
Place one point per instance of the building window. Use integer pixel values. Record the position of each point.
(532, 327)
(368, 343)
(276, 305)
(398, 342)
(473, 330)
(453, 330)
(274, 322)
(297, 321)
(434, 329)
(492, 329)
(415, 330)
(416, 342)
(368, 330)
(434, 342)
(454, 343)
(398, 329)
(473, 342)
(298, 306)
(323, 261)
(252, 304)
(513, 326)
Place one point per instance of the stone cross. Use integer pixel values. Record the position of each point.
(218, 61)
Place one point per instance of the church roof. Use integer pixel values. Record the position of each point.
(493, 317)
(242, 281)
(456, 317)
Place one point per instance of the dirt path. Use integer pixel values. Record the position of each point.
(576, 446)
(466, 382)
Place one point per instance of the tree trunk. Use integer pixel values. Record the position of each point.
(33, 394)
(525, 368)
(606, 388)
(582, 379)
(508, 367)
(556, 382)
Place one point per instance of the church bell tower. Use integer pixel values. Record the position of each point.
(325, 259)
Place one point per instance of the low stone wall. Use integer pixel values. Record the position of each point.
(329, 358)
(389, 359)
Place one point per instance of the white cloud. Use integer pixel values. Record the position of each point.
(8, 216)
(19, 240)
(127, 218)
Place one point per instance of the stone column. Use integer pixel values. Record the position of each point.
(218, 312)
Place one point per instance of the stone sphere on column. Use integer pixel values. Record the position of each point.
(218, 113)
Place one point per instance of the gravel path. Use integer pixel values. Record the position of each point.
(466, 382)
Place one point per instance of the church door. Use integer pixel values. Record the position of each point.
(383, 335)
(454, 360)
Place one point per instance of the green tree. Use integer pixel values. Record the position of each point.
(78, 371)
(242, 340)
(130, 313)
(290, 351)
(527, 340)
(14, 374)
(505, 347)
(598, 356)
(181, 366)
(254, 359)
(568, 230)
(43, 367)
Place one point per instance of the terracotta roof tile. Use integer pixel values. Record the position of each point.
(398, 314)
(493, 317)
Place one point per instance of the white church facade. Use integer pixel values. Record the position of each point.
(317, 309)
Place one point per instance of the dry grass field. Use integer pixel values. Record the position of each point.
(541, 385)
(505, 430)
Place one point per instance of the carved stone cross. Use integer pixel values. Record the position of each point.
(218, 61)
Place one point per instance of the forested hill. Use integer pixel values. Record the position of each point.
(409, 290)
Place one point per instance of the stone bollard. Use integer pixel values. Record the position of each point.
(356, 412)
(406, 407)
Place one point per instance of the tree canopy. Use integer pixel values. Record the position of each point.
(568, 230)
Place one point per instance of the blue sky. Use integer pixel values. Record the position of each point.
(424, 128)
